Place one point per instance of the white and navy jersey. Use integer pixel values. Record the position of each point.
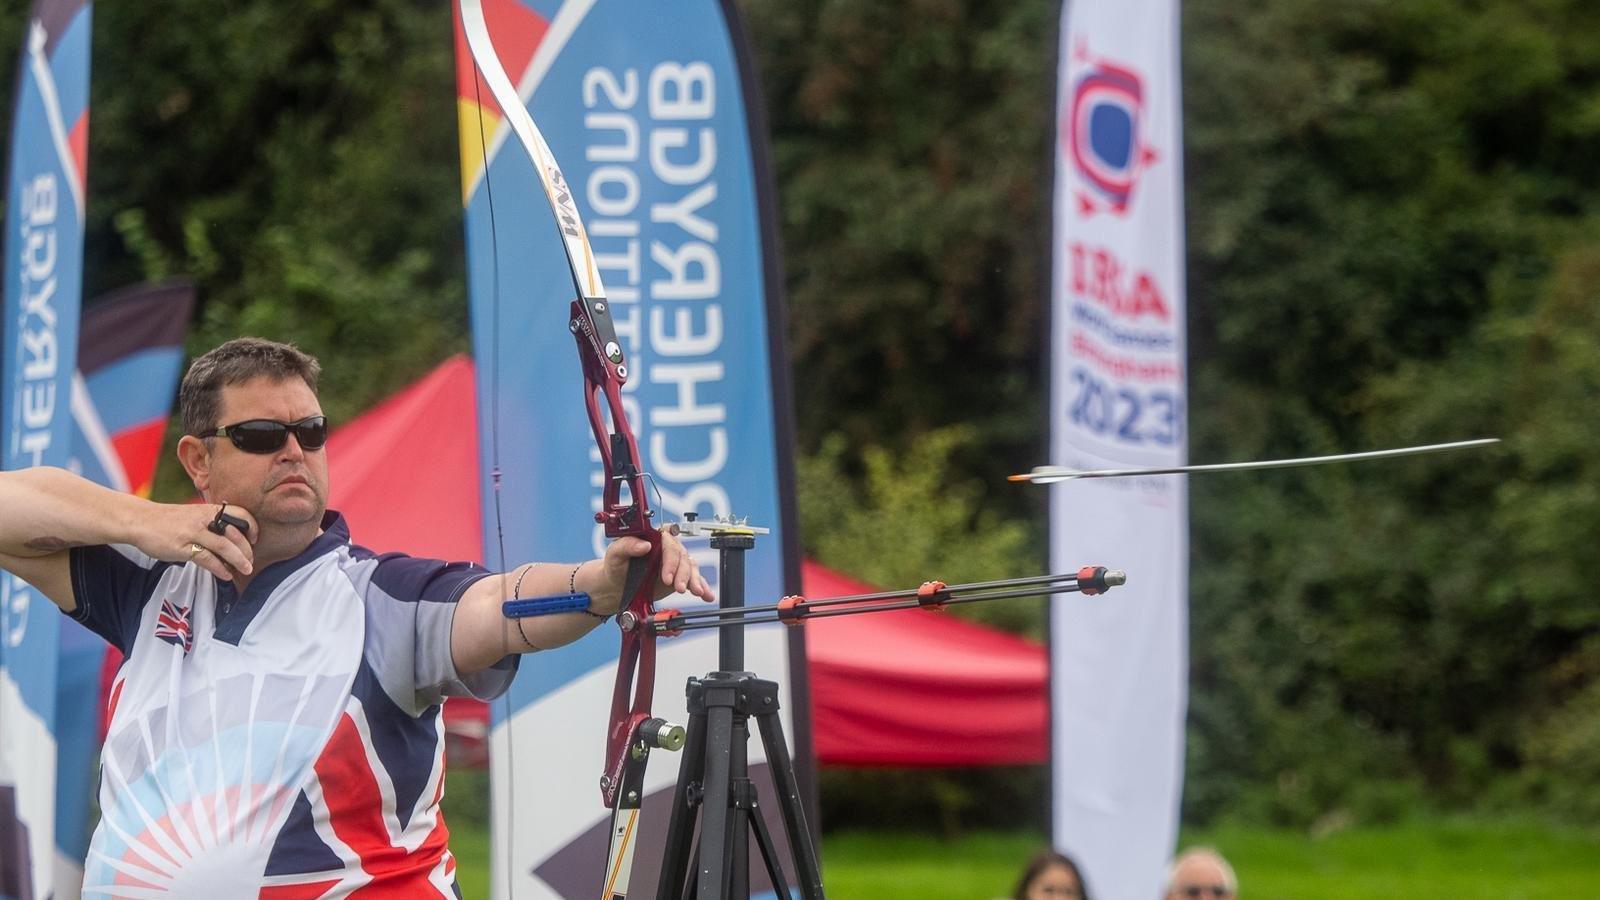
(283, 743)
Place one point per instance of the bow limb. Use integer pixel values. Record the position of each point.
(632, 731)
(574, 239)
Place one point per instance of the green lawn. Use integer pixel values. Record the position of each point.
(1444, 858)
(1455, 858)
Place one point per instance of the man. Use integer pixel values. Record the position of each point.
(275, 728)
(1201, 872)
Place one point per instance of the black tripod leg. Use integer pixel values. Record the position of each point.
(769, 852)
(808, 872)
(712, 865)
(676, 854)
(743, 802)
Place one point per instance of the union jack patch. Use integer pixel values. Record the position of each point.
(172, 625)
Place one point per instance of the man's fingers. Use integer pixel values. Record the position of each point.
(632, 546)
(232, 546)
(675, 564)
(207, 559)
(233, 552)
(234, 519)
(702, 588)
(243, 544)
(253, 531)
(670, 559)
(208, 562)
(679, 569)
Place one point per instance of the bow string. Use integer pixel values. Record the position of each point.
(632, 730)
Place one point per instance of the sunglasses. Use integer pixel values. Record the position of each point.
(1197, 890)
(269, 436)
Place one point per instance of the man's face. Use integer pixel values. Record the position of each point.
(1199, 877)
(286, 487)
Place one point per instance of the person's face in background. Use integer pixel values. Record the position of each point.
(1056, 882)
(1200, 877)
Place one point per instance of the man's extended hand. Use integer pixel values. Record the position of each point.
(679, 573)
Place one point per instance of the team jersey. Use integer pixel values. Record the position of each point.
(283, 743)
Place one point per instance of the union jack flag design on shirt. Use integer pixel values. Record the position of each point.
(298, 751)
(172, 625)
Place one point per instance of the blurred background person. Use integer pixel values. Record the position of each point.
(1051, 876)
(1201, 872)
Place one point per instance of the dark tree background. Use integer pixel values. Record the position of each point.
(1393, 238)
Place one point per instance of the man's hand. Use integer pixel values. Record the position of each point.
(45, 512)
(679, 574)
(182, 532)
(481, 635)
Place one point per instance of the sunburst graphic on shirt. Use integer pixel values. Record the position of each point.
(200, 791)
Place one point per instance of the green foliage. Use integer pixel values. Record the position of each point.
(948, 802)
(909, 143)
(897, 520)
(1388, 246)
(1389, 205)
(466, 799)
(1562, 747)
(299, 165)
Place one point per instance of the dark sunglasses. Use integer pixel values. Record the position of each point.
(1197, 890)
(269, 436)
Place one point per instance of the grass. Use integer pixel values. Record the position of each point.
(1469, 858)
(470, 843)
(1473, 859)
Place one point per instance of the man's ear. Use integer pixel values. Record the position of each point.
(196, 459)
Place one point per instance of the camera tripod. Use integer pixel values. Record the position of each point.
(714, 787)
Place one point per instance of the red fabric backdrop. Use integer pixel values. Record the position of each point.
(902, 688)
(917, 688)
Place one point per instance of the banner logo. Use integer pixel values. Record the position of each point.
(1104, 134)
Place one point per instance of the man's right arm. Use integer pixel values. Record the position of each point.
(45, 512)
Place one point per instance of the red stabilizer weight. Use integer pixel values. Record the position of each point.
(932, 595)
(1092, 580)
(661, 623)
(789, 611)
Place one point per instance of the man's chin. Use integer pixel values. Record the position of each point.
(290, 512)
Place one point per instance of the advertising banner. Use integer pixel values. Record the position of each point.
(648, 109)
(1119, 666)
(130, 354)
(38, 349)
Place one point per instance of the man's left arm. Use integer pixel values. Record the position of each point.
(480, 635)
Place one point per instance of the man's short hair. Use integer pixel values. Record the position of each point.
(236, 362)
(1229, 880)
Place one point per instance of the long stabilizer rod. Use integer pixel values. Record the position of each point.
(1052, 474)
(794, 610)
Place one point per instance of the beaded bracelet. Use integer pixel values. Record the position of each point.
(516, 594)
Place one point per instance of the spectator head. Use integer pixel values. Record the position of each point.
(1051, 876)
(1200, 873)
